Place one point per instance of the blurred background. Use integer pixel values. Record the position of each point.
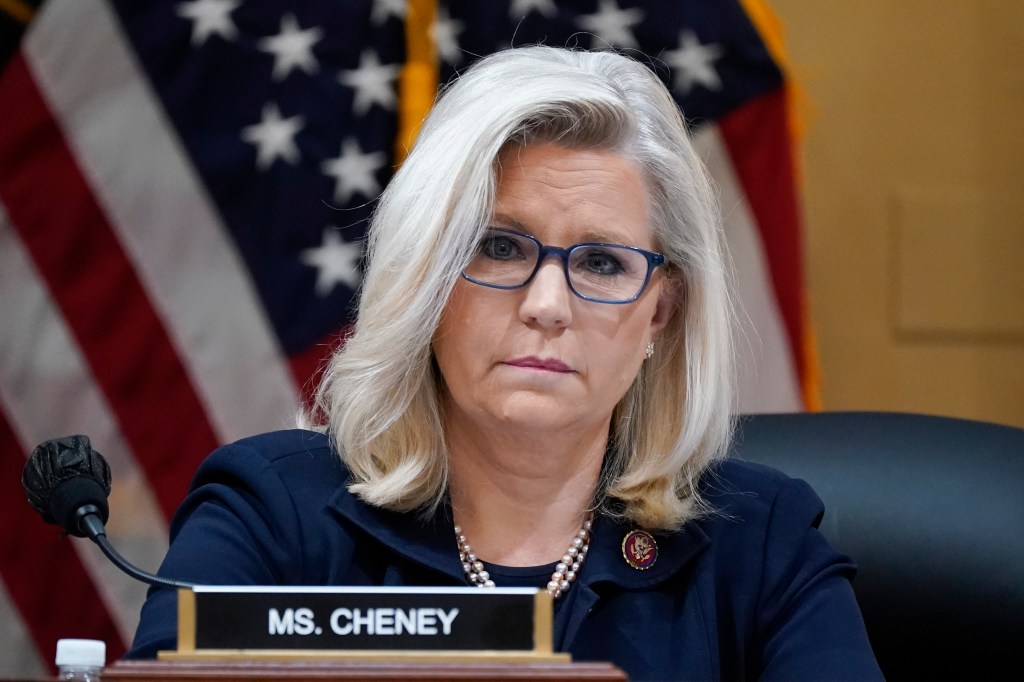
(184, 186)
(913, 158)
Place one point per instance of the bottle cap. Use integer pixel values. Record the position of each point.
(85, 652)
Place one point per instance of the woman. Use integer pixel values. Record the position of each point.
(538, 393)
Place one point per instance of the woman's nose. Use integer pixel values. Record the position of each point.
(547, 300)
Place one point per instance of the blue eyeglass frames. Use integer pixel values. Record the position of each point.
(602, 273)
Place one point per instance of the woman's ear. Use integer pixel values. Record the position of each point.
(664, 311)
(669, 302)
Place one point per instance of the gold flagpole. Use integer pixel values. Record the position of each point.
(417, 81)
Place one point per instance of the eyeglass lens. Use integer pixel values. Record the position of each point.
(602, 271)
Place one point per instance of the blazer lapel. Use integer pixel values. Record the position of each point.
(606, 570)
(429, 542)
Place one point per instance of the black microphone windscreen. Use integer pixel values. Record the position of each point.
(72, 495)
(64, 474)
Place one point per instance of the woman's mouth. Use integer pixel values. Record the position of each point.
(544, 364)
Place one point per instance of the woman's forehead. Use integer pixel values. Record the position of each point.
(586, 195)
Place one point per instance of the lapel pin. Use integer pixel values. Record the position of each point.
(639, 549)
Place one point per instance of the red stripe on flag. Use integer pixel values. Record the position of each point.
(95, 286)
(307, 367)
(757, 136)
(45, 577)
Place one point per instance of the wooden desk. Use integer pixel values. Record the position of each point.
(193, 671)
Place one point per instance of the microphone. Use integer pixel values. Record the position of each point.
(67, 482)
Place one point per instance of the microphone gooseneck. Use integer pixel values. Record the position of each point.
(67, 482)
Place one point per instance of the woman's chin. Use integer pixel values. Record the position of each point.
(546, 413)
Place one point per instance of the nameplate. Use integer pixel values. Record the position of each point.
(218, 619)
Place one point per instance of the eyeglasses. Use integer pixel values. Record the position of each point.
(603, 273)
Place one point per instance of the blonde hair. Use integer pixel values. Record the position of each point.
(379, 398)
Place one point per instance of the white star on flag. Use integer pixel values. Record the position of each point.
(210, 17)
(353, 171)
(373, 83)
(382, 9)
(335, 260)
(612, 26)
(274, 137)
(445, 34)
(694, 63)
(521, 8)
(292, 47)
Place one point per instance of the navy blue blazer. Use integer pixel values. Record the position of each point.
(751, 592)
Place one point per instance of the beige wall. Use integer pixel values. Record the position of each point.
(913, 162)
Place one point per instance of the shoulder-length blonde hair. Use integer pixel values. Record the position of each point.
(379, 398)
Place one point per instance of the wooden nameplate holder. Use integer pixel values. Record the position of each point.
(301, 633)
(364, 624)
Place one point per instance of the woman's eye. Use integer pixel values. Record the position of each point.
(500, 248)
(601, 263)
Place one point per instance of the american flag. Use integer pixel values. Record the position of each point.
(184, 187)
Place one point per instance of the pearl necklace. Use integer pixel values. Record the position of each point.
(565, 571)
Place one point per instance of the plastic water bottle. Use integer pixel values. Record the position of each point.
(80, 659)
